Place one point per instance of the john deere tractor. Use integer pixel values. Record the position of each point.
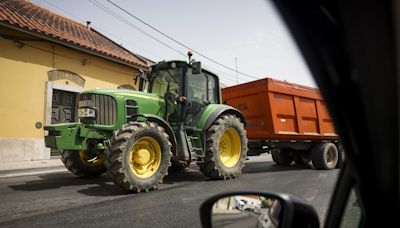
(137, 137)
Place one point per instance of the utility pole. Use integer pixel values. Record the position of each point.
(237, 76)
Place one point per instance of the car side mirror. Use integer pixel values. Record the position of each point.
(256, 209)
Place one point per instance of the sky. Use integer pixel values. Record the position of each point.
(249, 34)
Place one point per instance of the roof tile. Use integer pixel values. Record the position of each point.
(26, 15)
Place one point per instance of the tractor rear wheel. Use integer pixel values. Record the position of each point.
(138, 156)
(83, 163)
(226, 148)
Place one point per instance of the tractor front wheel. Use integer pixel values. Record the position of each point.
(226, 148)
(138, 156)
(83, 163)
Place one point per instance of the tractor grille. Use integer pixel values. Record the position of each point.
(106, 109)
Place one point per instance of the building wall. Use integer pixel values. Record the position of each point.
(25, 90)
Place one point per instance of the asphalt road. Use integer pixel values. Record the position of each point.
(63, 200)
(244, 219)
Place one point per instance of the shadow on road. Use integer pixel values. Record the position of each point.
(103, 186)
(190, 175)
(264, 167)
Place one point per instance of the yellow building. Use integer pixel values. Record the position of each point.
(45, 60)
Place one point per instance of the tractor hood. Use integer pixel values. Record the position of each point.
(118, 93)
(124, 105)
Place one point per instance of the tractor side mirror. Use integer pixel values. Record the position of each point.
(143, 75)
(196, 67)
(255, 209)
(145, 80)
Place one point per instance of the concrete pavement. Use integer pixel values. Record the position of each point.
(22, 168)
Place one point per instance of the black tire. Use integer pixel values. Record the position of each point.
(214, 166)
(324, 156)
(82, 164)
(341, 156)
(283, 156)
(121, 158)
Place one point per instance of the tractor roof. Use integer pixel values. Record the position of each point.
(181, 63)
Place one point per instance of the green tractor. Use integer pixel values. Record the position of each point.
(137, 137)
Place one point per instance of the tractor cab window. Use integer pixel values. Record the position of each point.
(202, 87)
(197, 87)
(212, 89)
(166, 80)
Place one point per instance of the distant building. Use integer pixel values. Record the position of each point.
(45, 60)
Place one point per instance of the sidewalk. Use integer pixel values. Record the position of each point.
(22, 168)
(14, 169)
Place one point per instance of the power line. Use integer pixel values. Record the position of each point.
(227, 76)
(101, 30)
(112, 13)
(62, 10)
(178, 42)
(222, 73)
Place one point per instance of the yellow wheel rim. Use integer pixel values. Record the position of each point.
(91, 161)
(230, 147)
(145, 157)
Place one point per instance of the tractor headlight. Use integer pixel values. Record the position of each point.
(86, 113)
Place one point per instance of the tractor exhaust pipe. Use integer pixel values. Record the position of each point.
(182, 151)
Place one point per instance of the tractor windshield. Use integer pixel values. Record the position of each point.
(203, 87)
(166, 80)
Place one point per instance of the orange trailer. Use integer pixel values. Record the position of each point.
(290, 120)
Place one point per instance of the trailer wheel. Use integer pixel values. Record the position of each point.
(226, 148)
(283, 156)
(341, 156)
(83, 163)
(138, 156)
(324, 156)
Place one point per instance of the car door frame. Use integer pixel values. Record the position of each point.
(338, 40)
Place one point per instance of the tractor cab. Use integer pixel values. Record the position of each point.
(187, 90)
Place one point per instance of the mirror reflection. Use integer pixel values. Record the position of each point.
(246, 211)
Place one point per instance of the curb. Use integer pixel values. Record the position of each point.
(31, 171)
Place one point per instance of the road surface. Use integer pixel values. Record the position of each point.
(63, 200)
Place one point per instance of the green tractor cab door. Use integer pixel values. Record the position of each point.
(201, 90)
(167, 82)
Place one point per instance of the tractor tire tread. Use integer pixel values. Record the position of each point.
(115, 157)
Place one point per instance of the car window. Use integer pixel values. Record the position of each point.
(274, 133)
(352, 213)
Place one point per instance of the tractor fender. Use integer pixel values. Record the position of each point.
(161, 122)
(223, 109)
(215, 114)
